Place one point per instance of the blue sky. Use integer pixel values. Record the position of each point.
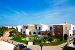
(20, 12)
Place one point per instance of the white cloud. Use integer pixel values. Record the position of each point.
(56, 15)
(16, 15)
(57, 2)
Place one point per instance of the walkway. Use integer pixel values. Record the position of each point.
(36, 47)
(6, 46)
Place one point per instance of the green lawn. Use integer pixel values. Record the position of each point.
(38, 41)
(19, 39)
(58, 42)
(52, 43)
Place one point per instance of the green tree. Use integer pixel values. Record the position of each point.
(41, 45)
(11, 35)
(14, 32)
(3, 30)
(50, 37)
(45, 38)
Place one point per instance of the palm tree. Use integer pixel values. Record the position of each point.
(41, 45)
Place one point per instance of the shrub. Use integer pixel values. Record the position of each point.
(11, 35)
(37, 41)
(51, 39)
(26, 42)
(61, 39)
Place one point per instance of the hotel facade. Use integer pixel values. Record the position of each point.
(57, 30)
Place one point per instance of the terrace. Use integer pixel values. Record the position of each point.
(71, 43)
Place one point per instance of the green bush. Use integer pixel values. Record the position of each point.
(61, 39)
(64, 49)
(11, 35)
(50, 39)
(3, 30)
(37, 41)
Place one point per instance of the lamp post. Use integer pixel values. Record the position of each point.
(41, 45)
(68, 40)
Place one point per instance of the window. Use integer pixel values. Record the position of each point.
(50, 28)
(23, 31)
(73, 28)
(38, 33)
(70, 34)
(29, 33)
(39, 28)
(34, 32)
(42, 33)
(36, 28)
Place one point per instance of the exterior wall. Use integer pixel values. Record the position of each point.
(70, 32)
(64, 29)
(42, 27)
(51, 30)
(30, 27)
(25, 27)
(50, 26)
(58, 31)
(74, 32)
(25, 31)
(44, 33)
(34, 30)
(72, 27)
(38, 25)
(19, 27)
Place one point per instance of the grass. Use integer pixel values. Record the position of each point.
(38, 41)
(58, 42)
(32, 36)
(19, 39)
(54, 43)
